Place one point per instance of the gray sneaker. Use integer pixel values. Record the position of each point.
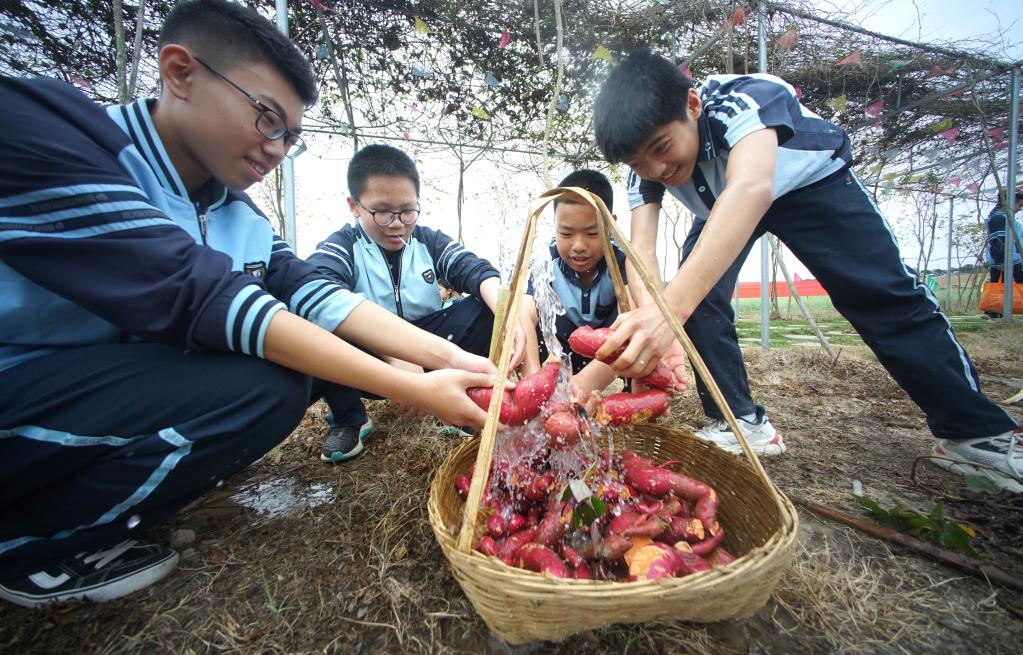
(998, 458)
(343, 444)
(763, 439)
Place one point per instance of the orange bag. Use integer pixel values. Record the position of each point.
(993, 293)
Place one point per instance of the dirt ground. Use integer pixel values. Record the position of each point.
(346, 562)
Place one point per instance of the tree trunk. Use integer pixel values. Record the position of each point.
(122, 89)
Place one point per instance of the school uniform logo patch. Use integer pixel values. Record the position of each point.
(429, 276)
(255, 269)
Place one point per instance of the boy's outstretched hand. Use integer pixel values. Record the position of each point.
(442, 393)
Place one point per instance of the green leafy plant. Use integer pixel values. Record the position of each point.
(588, 509)
(933, 527)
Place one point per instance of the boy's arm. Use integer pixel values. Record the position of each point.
(643, 235)
(529, 319)
(301, 346)
(748, 193)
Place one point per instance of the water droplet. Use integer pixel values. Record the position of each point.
(220, 483)
(133, 521)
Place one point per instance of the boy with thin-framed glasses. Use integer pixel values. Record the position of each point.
(391, 259)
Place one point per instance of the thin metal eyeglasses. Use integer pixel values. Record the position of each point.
(269, 123)
(405, 216)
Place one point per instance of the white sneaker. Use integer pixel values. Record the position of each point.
(998, 458)
(762, 437)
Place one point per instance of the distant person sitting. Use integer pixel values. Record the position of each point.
(994, 252)
(397, 264)
(581, 282)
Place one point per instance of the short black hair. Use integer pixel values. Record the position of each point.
(593, 181)
(378, 159)
(224, 34)
(645, 90)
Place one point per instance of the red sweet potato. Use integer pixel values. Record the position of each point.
(610, 548)
(531, 392)
(720, 557)
(716, 534)
(515, 523)
(655, 561)
(534, 557)
(462, 483)
(636, 524)
(691, 562)
(586, 341)
(564, 430)
(496, 526)
(642, 475)
(487, 546)
(630, 408)
(509, 547)
(580, 567)
(555, 523)
(660, 377)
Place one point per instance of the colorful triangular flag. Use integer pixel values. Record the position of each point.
(941, 126)
(787, 39)
(996, 133)
(421, 27)
(419, 71)
(972, 188)
(949, 135)
(955, 181)
(601, 53)
(854, 57)
(505, 39)
(799, 94)
(480, 112)
(318, 4)
(490, 80)
(79, 82)
(684, 69)
(562, 104)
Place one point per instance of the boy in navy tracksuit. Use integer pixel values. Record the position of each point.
(746, 157)
(581, 282)
(393, 261)
(156, 336)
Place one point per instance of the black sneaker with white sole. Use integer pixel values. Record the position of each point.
(98, 576)
(345, 443)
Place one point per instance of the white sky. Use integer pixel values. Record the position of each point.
(320, 173)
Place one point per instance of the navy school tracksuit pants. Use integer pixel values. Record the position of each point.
(100, 442)
(467, 323)
(836, 230)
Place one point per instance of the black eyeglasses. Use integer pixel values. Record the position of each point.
(269, 123)
(406, 216)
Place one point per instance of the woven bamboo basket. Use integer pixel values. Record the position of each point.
(519, 606)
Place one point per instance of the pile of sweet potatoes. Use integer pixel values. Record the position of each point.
(633, 520)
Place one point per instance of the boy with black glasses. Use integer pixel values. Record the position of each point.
(392, 260)
(156, 336)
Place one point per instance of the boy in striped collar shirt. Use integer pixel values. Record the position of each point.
(747, 158)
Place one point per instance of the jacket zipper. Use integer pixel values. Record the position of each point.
(397, 293)
(201, 216)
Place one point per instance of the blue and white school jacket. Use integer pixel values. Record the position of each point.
(809, 148)
(100, 242)
(352, 259)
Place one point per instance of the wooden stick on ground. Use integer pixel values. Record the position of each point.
(988, 571)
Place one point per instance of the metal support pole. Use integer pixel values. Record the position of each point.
(948, 266)
(765, 246)
(1009, 202)
(287, 166)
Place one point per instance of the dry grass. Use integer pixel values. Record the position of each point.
(363, 574)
